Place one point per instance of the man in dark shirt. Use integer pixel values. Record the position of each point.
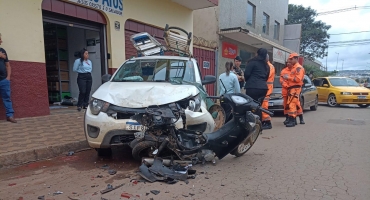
(239, 72)
(5, 72)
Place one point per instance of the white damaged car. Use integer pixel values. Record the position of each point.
(142, 82)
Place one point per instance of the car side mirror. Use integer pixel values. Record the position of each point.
(325, 85)
(105, 78)
(307, 85)
(208, 79)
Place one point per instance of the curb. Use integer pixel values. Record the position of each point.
(42, 153)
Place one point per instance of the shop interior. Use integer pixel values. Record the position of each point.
(61, 44)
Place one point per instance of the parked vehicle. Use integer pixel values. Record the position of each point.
(309, 96)
(341, 90)
(163, 139)
(144, 81)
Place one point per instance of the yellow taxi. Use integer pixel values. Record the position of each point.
(341, 90)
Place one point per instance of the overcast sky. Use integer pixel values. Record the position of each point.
(355, 57)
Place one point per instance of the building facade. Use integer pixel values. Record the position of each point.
(241, 27)
(42, 36)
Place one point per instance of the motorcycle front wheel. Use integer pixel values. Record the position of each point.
(248, 142)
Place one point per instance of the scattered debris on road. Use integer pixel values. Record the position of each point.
(112, 172)
(110, 188)
(70, 153)
(155, 192)
(57, 193)
(11, 184)
(170, 175)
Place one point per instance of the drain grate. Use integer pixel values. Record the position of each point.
(347, 121)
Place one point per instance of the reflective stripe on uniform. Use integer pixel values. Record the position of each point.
(270, 82)
(266, 119)
(266, 99)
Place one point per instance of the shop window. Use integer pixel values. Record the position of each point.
(245, 55)
(265, 23)
(251, 14)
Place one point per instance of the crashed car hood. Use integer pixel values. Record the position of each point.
(143, 94)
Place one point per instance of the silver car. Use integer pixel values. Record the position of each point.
(309, 96)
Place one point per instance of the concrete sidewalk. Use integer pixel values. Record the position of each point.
(38, 138)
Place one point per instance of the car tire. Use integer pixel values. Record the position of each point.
(363, 105)
(332, 101)
(141, 147)
(314, 107)
(104, 152)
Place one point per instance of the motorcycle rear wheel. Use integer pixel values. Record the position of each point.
(249, 142)
(144, 149)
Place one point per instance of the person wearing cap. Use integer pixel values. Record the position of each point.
(266, 118)
(284, 89)
(238, 71)
(256, 74)
(294, 80)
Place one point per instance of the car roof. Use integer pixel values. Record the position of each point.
(161, 57)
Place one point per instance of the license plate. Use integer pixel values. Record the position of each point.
(271, 104)
(361, 97)
(139, 134)
(134, 126)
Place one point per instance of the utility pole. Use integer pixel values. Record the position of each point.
(336, 68)
(342, 64)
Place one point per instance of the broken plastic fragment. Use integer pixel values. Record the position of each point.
(155, 192)
(57, 192)
(70, 153)
(112, 172)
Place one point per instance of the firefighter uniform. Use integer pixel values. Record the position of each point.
(294, 80)
(266, 118)
(299, 107)
(284, 90)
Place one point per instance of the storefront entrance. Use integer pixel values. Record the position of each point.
(64, 36)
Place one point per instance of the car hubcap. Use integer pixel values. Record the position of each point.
(332, 101)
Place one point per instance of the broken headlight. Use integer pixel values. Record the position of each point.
(97, 106)
(194, 104)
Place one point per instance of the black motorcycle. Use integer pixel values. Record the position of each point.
(162, 138)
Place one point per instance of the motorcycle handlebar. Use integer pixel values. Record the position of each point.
(266, 111)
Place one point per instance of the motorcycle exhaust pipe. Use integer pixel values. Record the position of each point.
(166, 162)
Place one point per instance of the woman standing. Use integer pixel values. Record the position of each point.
(83, 67)
(256, 74)
(228, 83)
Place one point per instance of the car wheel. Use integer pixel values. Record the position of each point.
(104, 152)
(363, 105)
(332, 100)
(144, 149)
(314, 107)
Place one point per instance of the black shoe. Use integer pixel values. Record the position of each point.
(286, 119)
(266, 125)
(301, 121)
(78, 109)
(291, 122)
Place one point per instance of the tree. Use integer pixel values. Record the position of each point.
(317, 72)
(314, 35)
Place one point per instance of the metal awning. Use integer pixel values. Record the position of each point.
(197, 4)
(244, 36)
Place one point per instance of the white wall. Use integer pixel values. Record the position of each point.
(95, 57)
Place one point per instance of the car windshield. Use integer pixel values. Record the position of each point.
(343, 82)
(277, 83)
(156, 70)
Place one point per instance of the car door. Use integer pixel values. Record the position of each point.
(310, 90)
(320, 90)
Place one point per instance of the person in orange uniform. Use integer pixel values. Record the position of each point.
(299, 107)
(284, 89)
(266, 118)
(294, 81)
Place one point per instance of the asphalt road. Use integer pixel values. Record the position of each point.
(327, 158)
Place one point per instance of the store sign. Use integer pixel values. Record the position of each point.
(206, 64)
(229, 50)
(108, 6)
(279, 56)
